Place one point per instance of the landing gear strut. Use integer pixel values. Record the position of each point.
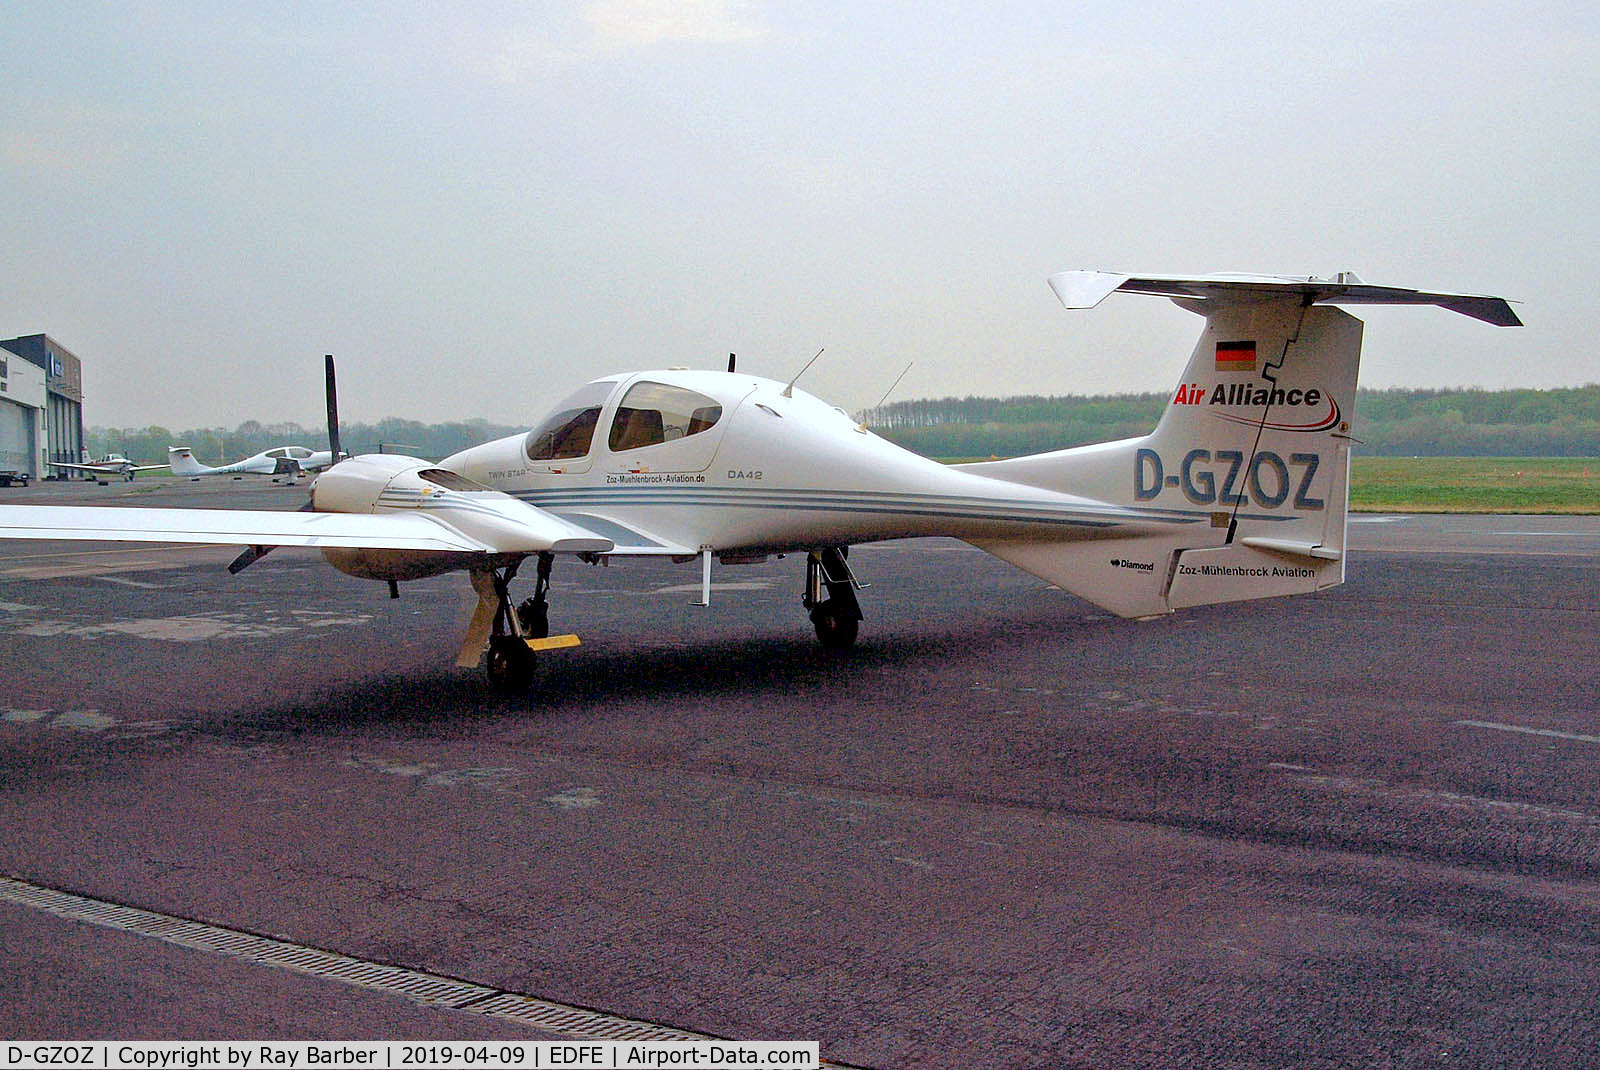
(836, 615)
(510, 662)
(534, 613)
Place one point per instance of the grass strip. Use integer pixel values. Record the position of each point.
(1475, 484)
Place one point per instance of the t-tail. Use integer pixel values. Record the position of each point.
(1242, 489)
(183, 462)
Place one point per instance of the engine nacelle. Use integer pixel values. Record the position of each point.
(358, 484)
(389, 483)
(397, 565)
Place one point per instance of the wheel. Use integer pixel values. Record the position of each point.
(836, 630)
(535, 618)
(510, 664)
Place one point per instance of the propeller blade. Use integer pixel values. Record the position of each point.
(333, 413)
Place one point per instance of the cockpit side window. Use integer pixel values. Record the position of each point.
(569, 431)
(652, 413)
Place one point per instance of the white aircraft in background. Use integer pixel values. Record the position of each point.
(103, 468)
(278, 461)
(1240, 492)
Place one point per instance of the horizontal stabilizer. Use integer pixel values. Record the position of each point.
(1086, 289)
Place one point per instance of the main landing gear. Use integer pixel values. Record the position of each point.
(835, 614)
(513, 633)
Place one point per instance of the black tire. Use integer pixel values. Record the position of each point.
(535, 619)
(836, 630)
(510, 665)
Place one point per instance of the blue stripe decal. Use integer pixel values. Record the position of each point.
(1021, 510)
(888, 503)
(973, 510)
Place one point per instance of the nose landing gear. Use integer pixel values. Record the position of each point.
(836, 615)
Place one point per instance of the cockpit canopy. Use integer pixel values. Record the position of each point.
(568, 431)
(294, 453)
(650, 413)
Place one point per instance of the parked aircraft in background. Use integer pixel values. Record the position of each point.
(1240, 492)
(280, 460)
(103, 468)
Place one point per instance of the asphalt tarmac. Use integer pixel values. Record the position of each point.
(1008, 830)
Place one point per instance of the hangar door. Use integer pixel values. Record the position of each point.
(16, 438)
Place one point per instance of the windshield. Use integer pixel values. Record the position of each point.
(568, 432)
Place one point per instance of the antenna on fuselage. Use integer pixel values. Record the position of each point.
(730, 363)
(886, 394)
(892, 385)
(788, 391)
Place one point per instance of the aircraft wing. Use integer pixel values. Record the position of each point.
(106, 469)
(534, 531)
(97, 469)
(1085, 289)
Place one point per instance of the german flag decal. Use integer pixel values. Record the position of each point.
(1236, 356)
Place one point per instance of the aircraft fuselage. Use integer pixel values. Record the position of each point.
(765, 475)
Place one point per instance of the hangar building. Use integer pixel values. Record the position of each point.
(41, 404)
(22, 409)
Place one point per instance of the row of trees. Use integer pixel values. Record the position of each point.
(1398, 422)
(219, 445)
(1441, 423)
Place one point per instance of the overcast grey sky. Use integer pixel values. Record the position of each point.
(477, 207)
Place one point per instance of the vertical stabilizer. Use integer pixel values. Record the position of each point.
(1246, 469)
(183, 462)
(1244, 484)
(1259, 431)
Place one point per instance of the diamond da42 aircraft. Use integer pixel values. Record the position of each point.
(288, 461)
(1240, 492)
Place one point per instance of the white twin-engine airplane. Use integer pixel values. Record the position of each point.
(1240, 492)
(103, 468)
(278, 461)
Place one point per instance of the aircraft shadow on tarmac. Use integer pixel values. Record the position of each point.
(754, 673)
